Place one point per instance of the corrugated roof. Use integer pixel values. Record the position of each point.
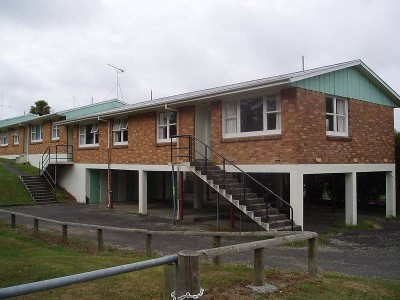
(16, 120)
(280, 80)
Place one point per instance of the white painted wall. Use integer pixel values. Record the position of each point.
(73, 179)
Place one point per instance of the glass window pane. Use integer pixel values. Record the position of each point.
(271, 121)
(271, 104)
(172, 117)
(96, 138)
(230, 109)
(162, 132)
(124, 136)
(341, 124)
(251, 115)
(117, 137)
(172, 130)
(163, 118)
(329, 122)
(231, 125)
(329, 105)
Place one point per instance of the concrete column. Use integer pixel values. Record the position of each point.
(351, 198)
(197, 192)
(390, 194)
(142, 192)
(296, 197)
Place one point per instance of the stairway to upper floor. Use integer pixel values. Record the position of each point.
(236, 187)
(39, 189)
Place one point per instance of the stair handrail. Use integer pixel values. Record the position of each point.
(190, 156)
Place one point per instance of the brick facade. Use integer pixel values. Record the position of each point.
(13, 149)
(40, 147)
(142, 145)
(303, 139)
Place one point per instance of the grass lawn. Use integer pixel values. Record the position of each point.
(12, 190)
(26, 167)
(24, 258)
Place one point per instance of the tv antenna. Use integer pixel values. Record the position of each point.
(118, 85)
(2, 106)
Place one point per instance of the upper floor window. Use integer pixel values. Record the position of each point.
(166, 123)
(253, 116)
(120, 130)
(16, 136)
(55, 132)
(89, 135)
(3, 138)
(336, 116)
(36, 133)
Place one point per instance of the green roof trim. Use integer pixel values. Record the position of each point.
(92, 109)
(349, 83)
(17, 120)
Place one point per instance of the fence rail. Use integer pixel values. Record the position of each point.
(185, 278)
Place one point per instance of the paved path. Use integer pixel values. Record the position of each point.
(373, 253)
(11, 168)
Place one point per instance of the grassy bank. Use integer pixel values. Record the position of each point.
(12, 191)
(25, 259)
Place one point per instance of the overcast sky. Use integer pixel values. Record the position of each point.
(58, 50)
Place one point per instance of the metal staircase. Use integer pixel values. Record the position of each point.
(221, 175)
(53, 156)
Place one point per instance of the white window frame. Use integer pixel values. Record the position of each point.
(82, 133)
(55, 132)
(4, 138)
(168, 126)
(335, 115)
(16, 136)
(265, 131)
(119, 127)
(36, 136)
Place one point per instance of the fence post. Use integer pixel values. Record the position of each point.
(100, 244)
(148, 245)
(188, 275)
(259, 276)
(312, 257)
(35, 226)
(216, 244)
(169, 284)
(64, 239)
(12, 225)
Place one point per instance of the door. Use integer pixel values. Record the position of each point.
(70, 142)
(94, 186)
(202, 129)
(26, 140)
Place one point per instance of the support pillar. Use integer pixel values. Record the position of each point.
(390, 194)
(296, 198)
(197, 193)
(351, 198)
(143, 192)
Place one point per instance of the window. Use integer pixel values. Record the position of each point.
(89, 135)
(55, 133)
(250, 117)
(120, 130)
(166, 126)
(336, 116)
(36, 133)
(16, 136)
(3, 138)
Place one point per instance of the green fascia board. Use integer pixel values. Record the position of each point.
(17, 120)
(92, 109)
(349, 83)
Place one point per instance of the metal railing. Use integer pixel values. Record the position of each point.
(53, 155)
(185, 265)
(189, 152)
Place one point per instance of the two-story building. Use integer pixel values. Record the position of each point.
(336, 119)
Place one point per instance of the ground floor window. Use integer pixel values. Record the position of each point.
(89, 135)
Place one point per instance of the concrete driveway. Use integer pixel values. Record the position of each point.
(373, 253)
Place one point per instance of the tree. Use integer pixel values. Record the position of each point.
(41, 108)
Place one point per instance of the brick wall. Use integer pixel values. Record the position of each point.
(40, 147)
(142, 145)
(12, 149)
(303, 138)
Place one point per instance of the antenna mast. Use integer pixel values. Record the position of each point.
(2, 106)
(118, 85)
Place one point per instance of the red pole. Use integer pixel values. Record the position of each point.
(180, 195)
(232, 216)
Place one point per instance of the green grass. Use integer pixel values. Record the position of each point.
(24, 258)
(25, 167)
(12, 191)
(393, 218)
